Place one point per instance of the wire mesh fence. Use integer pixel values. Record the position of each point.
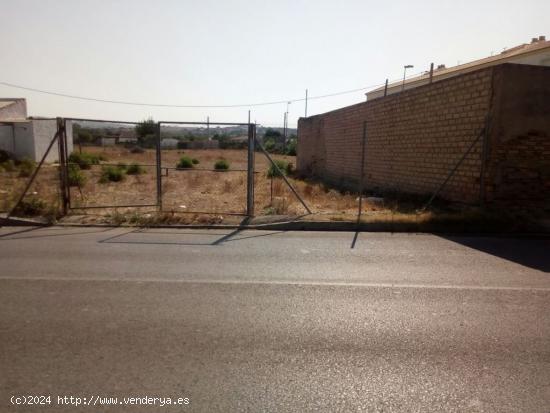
(175, 168)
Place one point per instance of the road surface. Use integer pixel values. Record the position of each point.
(273, 321)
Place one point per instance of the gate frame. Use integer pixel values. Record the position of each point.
(253, 143)
(250, 167)
(64, 162)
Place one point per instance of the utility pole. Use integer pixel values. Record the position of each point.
(306, 104)
(431, 72)
(208, 126)
(286, 126)
(284, 130)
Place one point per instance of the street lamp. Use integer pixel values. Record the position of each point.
(404, 73)
(285, 126)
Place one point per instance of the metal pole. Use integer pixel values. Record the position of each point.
(453, 170)
(484, 152)
(64, 145)
(159, 170)
(62, 162)
(250, 172)
(404, 73)
(361, 176)
(208, 126)
(386, 88)
(280, 173)
(284, 131)
(306, 104)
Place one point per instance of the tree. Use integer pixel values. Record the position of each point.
(291, 145)
(84, 136)
(273, 134)
(146, 133)
(147, 127)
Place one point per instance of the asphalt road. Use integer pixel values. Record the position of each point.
(274, 321)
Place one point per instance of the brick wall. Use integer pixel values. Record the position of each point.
(414, 138)
(518, 150)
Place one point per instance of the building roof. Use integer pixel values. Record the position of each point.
(524, 49)
(4, 103)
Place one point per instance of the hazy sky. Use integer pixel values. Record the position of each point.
(235, 51)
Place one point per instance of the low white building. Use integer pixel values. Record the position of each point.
(169, 143)
(28, 137)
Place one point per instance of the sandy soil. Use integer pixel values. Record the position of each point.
(200, 189)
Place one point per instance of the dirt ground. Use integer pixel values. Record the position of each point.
(198, 190)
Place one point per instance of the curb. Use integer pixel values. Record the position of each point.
(310, 226)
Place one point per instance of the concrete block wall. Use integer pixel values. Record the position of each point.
(414, 139)
(518, 150)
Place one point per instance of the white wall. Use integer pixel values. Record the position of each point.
(24, 142)
(43, 132)
(6, 138)
(69, 133)
(31, 139)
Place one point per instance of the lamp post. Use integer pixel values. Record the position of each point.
(286, 126)
(404, 74)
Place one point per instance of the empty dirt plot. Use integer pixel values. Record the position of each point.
(199, 189)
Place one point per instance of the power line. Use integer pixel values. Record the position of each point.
(122, 102)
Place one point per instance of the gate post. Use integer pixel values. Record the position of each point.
(159, 170)
(63, 165)
(250, 170)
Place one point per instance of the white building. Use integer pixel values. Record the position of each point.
(535, 53)
(28, 137)
(169, 143)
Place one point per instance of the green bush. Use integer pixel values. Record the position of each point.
(31, 207)
(85, 160)
(195, 161)
(221, 165)
(285, 167)
(26, 167)
(122, 165)
(291, 147)
(111, 174)
(76, 177)
(185, 162)
(9, 165)
(135, 169)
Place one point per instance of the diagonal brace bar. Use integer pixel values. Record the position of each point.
(31, 180)
(283, 175)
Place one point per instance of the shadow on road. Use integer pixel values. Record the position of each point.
(532, 253)
(152, 237)
(47, 232)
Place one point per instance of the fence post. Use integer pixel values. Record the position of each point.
(361, 176)
(250, 170)
(484, 160)
(159, 170)
(63, 165)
